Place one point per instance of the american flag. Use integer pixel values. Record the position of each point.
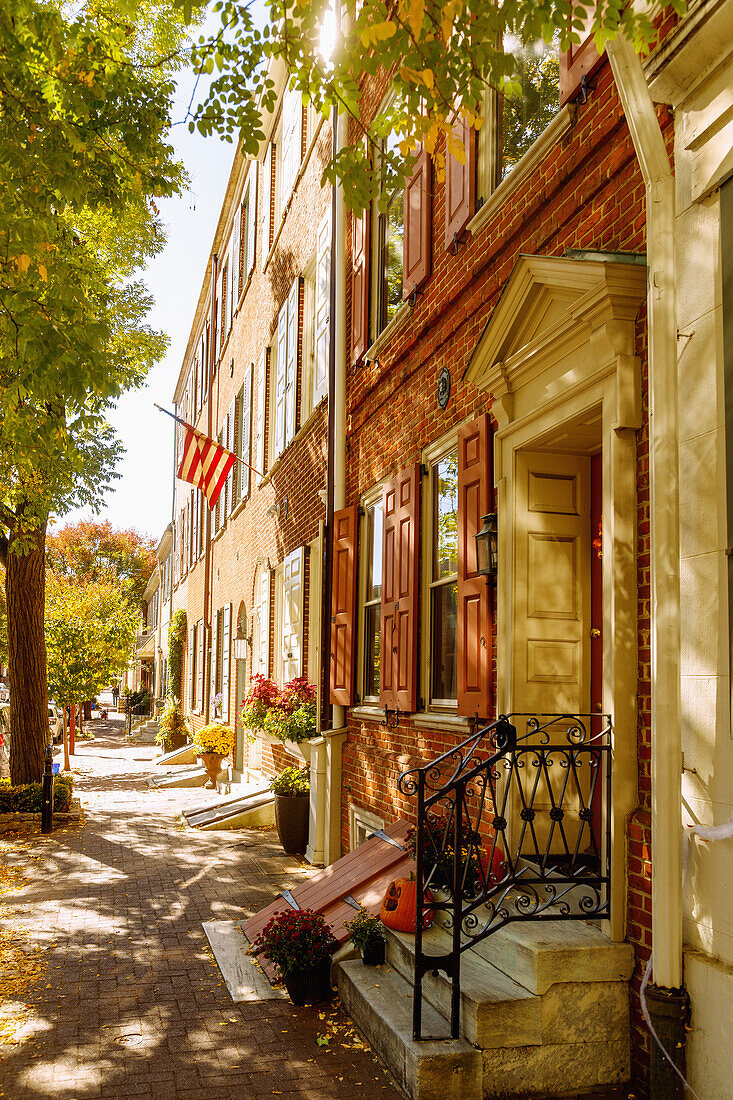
(205, 463)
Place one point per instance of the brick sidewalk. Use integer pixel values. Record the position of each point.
(131, 1003)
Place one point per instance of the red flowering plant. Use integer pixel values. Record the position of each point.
(262, 695)
(292, 717)
(298, 939)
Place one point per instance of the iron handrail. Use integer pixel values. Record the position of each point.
(530, 880)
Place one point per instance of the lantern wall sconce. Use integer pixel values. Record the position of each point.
(487, 547)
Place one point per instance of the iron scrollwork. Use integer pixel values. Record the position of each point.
(513, 824)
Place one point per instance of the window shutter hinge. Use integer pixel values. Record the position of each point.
(424, 469)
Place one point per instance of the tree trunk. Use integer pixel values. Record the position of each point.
(67, 765)
(25, 590)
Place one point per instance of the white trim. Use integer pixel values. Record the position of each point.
(374, 496)
(362, 820)
(378, 345)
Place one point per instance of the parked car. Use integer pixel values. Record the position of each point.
(55, 721)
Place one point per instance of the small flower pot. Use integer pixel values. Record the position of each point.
(374, 952)
(291, 818)
(309, 987)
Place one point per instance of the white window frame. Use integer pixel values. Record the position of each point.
(430, 457)
(361, 823)
(373, 497)
(284, 375)
(277, 649)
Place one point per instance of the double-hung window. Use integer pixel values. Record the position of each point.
(286, 370)
(389, 251)
(442, 567)
(372, 600)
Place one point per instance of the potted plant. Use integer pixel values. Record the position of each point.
(213, 743)
(173, 729)
(291, 789)
(300, 944)
(216, 702)
(292, 715)
(366, 932)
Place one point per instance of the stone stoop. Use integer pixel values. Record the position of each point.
(145, 732)
(548, 1014)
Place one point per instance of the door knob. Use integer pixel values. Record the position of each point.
(595, 632)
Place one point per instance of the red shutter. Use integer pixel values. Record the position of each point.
(460, 183)
(400, 553)
(417, 202)
(343, 605)
(475, 605)
(579, 61)
(359, 285)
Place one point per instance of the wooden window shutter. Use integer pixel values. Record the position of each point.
(234, 261)
(250, 216)
(292, 617)
(225, 657)
(245, 432)
(201, 632)
(400, 556)
(322, 309)
(460, 183)
(233, 478)
(264, 598)
(291, 381)
(192, 668)
(417, 211)
(579, 61)
(359, 285)
(268, 167)
(343, 605)
(214, 681)
(475, 606)
(261, 408)
(281, 366)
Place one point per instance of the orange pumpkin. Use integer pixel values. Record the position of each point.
(399, 906)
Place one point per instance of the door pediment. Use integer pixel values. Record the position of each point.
(550, 308)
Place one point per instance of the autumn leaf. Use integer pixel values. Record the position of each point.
(380, 32)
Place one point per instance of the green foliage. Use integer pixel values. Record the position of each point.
(364, 929)
(291, 781)
(440, 56)
(172, 724)
(176, 641)
(90, 637)
(28, 798)
(292, 714)
(88, 551)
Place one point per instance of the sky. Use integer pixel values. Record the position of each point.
(142, 497)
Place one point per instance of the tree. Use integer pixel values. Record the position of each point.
(89, 551)
(85, 95)
(90, 633)
(439, 56)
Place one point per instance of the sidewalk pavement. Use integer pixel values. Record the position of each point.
(122, 995)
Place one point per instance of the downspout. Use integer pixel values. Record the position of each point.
(667, 999)
(205, 672)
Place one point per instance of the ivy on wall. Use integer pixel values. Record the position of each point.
(176, 640)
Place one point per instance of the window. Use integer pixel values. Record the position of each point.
(389, 252)
(261, 622)
(362, 823)
(291, 143)
(286, 371)
(443, 578)
(246, 243)
(372, 600)
(522, 118)
(316, 313)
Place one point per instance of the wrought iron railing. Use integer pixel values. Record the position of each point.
(512, 825)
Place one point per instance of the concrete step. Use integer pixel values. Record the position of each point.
(495, 1010)
(379, 1001)
(540, 954)
(182, 777)
(185, 755)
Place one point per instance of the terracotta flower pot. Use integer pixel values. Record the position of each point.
(291, 818)
(309, 987)
(212, 763)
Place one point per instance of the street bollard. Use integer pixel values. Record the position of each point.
(47, 793)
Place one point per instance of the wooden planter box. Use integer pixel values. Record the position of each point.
(300, 752)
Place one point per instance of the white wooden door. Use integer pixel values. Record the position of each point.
(292, 616)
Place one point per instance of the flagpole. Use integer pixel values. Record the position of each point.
(185, 424)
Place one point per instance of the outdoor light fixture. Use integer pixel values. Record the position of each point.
(487, 547)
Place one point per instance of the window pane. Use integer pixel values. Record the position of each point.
(444, 601)
(445, 481)
(372, 648)
(374, 552)
(393, 256)
(525, 116)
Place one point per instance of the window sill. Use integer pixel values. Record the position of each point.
(368, 714)
(559, 126)
(371, 355)
(301, 432)
(431, 719)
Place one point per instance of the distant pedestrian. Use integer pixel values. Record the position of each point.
(115, 695)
